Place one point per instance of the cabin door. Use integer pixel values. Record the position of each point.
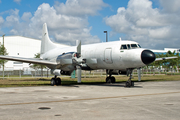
(108, 56)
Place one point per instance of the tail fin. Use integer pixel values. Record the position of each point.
(46, 43)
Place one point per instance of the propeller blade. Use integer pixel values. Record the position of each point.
(78, 43)
(78, 74)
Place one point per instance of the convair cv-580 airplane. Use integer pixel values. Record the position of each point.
(119, 57)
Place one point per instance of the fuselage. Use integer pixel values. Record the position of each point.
(119, 55)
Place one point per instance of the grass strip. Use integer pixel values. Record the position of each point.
(24, 82)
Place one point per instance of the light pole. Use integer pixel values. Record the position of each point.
(3, 54)
(106, 36)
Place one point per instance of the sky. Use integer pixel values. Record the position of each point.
(154, 24)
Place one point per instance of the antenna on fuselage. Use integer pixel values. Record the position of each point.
(120, 38)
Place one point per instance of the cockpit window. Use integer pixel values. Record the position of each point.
(139, 46)
(134, 46)
(129, 47)
(123, 47)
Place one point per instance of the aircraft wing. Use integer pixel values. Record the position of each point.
(165, 58)
(28, 60)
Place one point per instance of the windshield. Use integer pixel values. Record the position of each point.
(134, 46)
(123, 47)
(130, 46)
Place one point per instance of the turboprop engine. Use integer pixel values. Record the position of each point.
(65, 63)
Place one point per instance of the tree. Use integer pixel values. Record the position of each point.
(167, 63)
(37, 66)
(3, 51)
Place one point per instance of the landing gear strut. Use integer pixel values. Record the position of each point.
(55, 81)
(129, 83)
(110, 78)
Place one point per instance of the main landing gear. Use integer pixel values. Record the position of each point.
(110, 78)
(129, 83)
(55, 81)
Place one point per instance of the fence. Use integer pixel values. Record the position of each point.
(28, 72)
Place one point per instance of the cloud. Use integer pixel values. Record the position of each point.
(17, 1)
(26, 16)
(1, 23)
(13, 18)
(170, 6)
(80, 7)
(64, 27)
(145, 24)
(48, 14)
(1, 20)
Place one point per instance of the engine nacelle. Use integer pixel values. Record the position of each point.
(65, 72)
(65, 58)
(56, 72)
(122, 72)
(116, 72)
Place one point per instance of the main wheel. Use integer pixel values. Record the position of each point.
(53, 82)
(113, 79)
(108, 80)
(58, 81)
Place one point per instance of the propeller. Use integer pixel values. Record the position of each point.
(77, 60)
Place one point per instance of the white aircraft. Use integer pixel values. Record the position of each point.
(119, 57)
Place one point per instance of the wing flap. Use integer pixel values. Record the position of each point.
(28, 60)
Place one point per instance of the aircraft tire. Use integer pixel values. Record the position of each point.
(58, 81)
(113, 79)
(108, 80)
(127, 84)
(53, 82)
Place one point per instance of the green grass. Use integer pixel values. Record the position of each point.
(24, 82)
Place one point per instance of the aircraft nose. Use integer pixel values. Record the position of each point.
(147, 56)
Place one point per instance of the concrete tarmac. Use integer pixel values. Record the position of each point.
(145, 101)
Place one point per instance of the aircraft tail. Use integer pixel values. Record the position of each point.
(46, 43)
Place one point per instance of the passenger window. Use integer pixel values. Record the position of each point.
(134, 46)
(123, 47)
(129, 47)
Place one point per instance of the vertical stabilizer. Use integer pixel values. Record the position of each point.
(46, 43)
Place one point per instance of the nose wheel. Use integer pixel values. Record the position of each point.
(129, 83)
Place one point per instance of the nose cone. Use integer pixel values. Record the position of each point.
(147, 56)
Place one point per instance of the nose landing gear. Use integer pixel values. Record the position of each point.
(129, 83)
